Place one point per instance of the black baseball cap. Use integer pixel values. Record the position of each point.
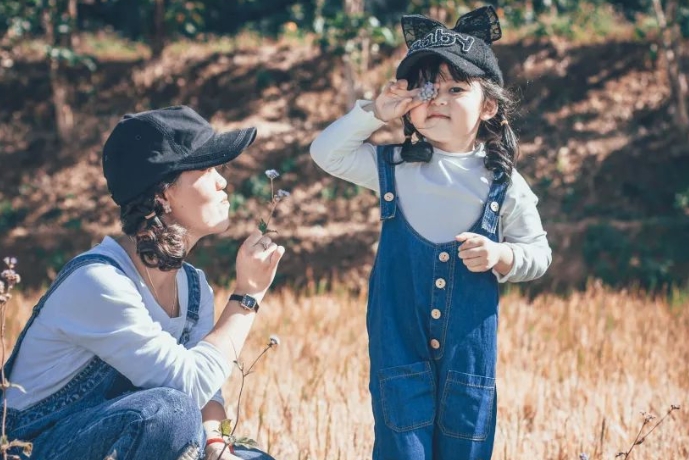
(145, 147)
(466, 45)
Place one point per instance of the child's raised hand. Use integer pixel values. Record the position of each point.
(395, 100)
(478, 253)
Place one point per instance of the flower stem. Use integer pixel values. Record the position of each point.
(241, 387)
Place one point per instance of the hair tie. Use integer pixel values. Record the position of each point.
(150, 216)
(504, 122)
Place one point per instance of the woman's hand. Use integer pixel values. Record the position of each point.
(481, 254)
(257, 262)
(214, 450)
(395, 101)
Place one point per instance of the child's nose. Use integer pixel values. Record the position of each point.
(440, 99)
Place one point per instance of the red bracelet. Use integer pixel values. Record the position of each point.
(216, 440)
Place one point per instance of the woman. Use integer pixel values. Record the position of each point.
(120, 357)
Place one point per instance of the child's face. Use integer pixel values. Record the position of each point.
(451, 121)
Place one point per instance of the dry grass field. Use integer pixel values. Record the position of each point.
(574, 374)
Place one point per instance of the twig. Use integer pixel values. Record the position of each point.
(640, 439)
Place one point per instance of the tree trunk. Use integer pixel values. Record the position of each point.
(73, 33)
(351, 76)
(158, 29)
(672, 50)
(64, 117)
(352, 7)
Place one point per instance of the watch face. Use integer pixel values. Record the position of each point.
(249, 302)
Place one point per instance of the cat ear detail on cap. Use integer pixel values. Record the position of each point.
(481, 23)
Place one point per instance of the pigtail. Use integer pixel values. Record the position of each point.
(414, 152)
(501, 145)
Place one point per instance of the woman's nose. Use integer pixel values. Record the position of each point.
(220, 180)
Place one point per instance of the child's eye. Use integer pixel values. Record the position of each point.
(456, 89)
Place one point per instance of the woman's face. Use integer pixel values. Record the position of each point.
(199, 202)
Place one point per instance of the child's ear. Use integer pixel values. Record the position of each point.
(490, 108)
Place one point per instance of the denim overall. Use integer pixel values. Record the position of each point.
(432, 328)
(99, 412)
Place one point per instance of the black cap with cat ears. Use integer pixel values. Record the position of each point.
(466, 45)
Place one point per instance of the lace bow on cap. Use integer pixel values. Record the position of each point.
(481, 23)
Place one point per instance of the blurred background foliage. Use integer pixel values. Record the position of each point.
(69, 44)
(332, 20)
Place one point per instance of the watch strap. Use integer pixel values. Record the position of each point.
(240, 298)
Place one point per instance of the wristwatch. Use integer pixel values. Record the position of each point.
(246, 301)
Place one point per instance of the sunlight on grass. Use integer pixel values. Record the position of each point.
(573, 375)
(111, 47)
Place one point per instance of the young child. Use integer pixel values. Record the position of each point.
(457, 220)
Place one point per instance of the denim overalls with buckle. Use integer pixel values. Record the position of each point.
(432, 328)
(100, 385)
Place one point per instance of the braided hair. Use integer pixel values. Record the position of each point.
(158, 245)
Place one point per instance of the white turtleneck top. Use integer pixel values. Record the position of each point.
(442, 198)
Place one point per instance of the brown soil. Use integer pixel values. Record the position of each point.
(598, 149)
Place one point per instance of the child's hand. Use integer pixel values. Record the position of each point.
(480, 254)
(395, 101)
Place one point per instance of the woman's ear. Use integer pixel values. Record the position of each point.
(490, 108)
(164, 203)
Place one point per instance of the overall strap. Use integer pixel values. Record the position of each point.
(193, 303)
(67, 270)
(386, 178)
(491, 209)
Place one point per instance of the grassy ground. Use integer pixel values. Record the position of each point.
(573, 375)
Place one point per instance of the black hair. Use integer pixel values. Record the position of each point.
(501, 143)
(158, 245)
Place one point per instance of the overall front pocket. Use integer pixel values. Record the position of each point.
(407, 396)
(466, 409)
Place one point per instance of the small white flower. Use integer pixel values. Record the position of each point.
(428, 92)
(274, 341)
(272, 174)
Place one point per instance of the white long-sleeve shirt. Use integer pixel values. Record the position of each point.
(442, 198)
(101, 311)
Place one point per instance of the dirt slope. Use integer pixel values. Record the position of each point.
(598, 149)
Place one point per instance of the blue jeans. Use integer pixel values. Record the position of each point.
(159, 423)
